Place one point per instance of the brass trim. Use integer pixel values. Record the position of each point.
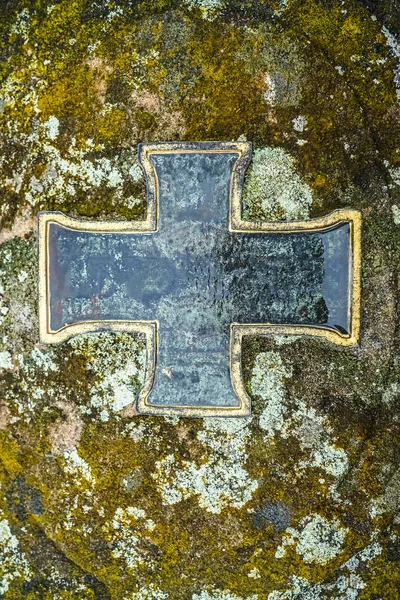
(236, 224)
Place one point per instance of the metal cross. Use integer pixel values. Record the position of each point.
(195, 277)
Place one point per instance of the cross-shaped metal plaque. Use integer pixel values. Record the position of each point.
(195, 278)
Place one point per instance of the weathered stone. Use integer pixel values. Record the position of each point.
(312, 85)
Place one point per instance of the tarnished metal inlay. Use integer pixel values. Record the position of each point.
(195, 278)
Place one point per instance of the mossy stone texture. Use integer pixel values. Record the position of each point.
(301, 500)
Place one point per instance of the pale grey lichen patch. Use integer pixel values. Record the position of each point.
(21, 23)
(394, 174)
(396, 214)
(18, 314)
(299, 124)
(300, 589)
(394, 184)
(208, 8)
(330, 458)
(220, 479)
(349, 586)
(254, 573)
(150, 592)
(13, 563)
(118, 363)
(173, 419)
(315, 436)
(394, 45)
(391, 393)
(213, 594)
(273, 190)
(72, 171)
(127, 532)
(35, 373)
(137, 431)
(75, 465)
(268, 383)
(346, 584)
(40, 359)
(76, 493)
(3, 308)
(313, 431)
(317, 540)
(363, 557)
(52, 127)
(136, 172)
(5, 360)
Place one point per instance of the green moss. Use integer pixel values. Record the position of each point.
(347, 97)
(81, 85)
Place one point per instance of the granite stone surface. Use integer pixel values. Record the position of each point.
(300, 501)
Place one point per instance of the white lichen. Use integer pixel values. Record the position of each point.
(52, 126)
(136, 431)
(150, 592)
(136, 172)
(299, 124)
(268, 384)
(126, 532)
(270, 96)
(312, 430)
(220, 480)
(213, 594)
(117, 388)
(317, 540)
(13, 563)
(345, 585)
(22, 276)
(396, 214)
(77, 466)
(314, 434)
(42, 360)
(5, 360)
(37, 364)
(273, 190)
(21, 24)
(330, 458)
(207, 7)
(118, 362)
(394, 174)
(391, 393)
(300, 589)
(349, 586)
(394, 45)
(254, 573)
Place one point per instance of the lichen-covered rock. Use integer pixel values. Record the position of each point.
(301, 500)
(273, 189)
